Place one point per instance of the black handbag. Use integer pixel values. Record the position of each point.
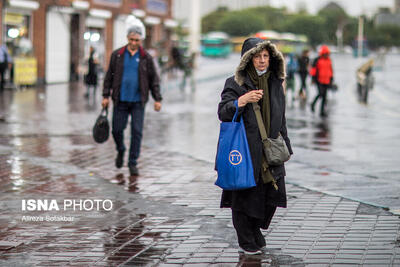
(275, 149)
(333, 87)
(101, 129)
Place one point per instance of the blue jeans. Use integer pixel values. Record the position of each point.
(119, 122)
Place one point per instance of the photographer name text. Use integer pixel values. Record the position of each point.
(47, 218)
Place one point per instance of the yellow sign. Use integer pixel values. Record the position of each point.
(13, 18)
(25, 70)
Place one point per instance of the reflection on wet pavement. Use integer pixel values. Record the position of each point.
(310, 134)
(167, 219)
(322, 137)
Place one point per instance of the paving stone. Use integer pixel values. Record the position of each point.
(342, 265)
(349, 256)
(225, 264)
(369, 256)
(210, 250)
(347, 261)
(207, 255)
(226, 260)
(216, 245)
(200, 260)
(179, 255)
(316, 261)
(377, 262)
(324, 256)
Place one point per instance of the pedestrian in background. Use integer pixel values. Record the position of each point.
(91, 76)
(131, 75)
(291, 68)
(177, 57)
(322, 74)
(258, 78)
(5, 61)
(304, 65)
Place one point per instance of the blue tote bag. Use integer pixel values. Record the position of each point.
(233, 162)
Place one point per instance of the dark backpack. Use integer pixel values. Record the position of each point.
(101, 129)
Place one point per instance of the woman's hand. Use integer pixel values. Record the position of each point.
(250, 97)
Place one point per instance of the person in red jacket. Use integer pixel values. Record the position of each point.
(322, 74)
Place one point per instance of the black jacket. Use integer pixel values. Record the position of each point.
(253, 201)
(240, 84)
(91, 76)
(148, 77)
(304, 63)
(226, 109)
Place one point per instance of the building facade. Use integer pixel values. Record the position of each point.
(58, 34)
(387, 17)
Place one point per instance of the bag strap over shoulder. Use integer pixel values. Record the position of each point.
(260, 123)
(264, 137)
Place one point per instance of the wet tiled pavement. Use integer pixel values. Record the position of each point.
(167, 216)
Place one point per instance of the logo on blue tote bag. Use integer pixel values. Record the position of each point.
(235, 158)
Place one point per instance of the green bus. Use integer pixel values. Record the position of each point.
(216, 44)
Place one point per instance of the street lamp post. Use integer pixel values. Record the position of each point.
(195, 26)
(360, 35)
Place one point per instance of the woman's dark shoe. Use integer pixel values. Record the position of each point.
(119, 161)
(249, 251)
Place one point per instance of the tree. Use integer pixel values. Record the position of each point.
(240, 23)
(384, 35)
(311, 26)
(209, 22)
(335, 18)
(274, 18)
(350, 31)
(320, 28)
(301, 8)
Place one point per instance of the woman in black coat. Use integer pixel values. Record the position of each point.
(91, 76)
(258, 78)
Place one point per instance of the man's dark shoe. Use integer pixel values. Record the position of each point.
(133, 170)
(119, 161)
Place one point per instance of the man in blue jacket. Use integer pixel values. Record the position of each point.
(131, 75)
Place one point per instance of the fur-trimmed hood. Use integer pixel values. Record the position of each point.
(252, 46)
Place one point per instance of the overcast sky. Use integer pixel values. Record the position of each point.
(352, 7)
